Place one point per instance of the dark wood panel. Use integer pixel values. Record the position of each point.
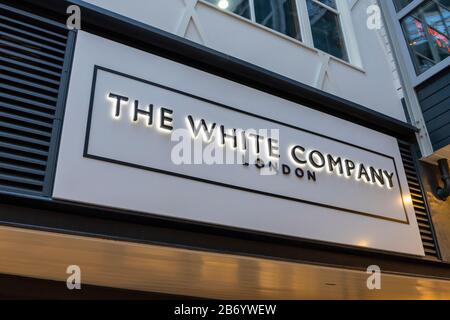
(441, 133)
(439, 121)
(437, 110)
(439, 82)
(442, 143)
(434, 98)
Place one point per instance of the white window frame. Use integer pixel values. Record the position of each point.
(345, 21)
(344, 14)
(401, 46)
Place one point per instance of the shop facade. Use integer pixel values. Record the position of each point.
(419, 32)
(216, 149)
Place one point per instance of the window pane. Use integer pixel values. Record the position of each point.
(400, 4)
(240, 7)
(418, 44)
(440, 44)
(326, 30)
(434, 17)
(445, 3)
(330, 3)
(279, 15)
(427, 33)
(444, 7)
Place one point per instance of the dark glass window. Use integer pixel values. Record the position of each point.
(400, 4)
(283, 16)
(330, 3)
(240, 7)
(279, 15)
(427, 32)
(326, 29)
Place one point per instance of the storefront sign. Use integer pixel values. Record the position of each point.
(146, 135)
(139, 123)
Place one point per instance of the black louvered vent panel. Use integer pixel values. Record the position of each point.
(32, 53)
(418, 200)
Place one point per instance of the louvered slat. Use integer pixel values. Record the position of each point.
(32, 55)
(418, 201)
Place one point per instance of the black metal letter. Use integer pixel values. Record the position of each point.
(313, 161)
(166, 119)
(294, 154)
(138, 111)
(119, 99)
(274, 148)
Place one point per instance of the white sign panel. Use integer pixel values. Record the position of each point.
(141, 124)
(149, 135)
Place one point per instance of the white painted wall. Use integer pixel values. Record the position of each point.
(369, 82)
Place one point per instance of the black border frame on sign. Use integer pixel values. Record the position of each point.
(86, 153)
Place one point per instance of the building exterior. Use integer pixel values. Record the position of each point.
(419, 31)
(112, 134)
